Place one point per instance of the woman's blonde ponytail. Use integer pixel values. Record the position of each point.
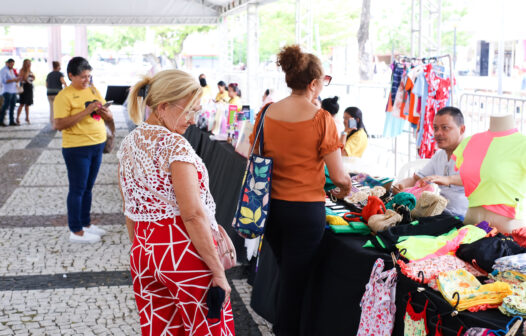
(136, 103)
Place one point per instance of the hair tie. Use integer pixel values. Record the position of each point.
(143, 91)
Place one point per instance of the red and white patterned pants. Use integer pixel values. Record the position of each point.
(171, 282)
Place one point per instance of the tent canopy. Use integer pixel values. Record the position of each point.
(119, 12)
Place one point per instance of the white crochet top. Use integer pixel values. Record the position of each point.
(145, 156)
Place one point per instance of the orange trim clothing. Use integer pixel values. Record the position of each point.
(298, 149)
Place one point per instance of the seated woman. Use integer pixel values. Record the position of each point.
(235, 96)
(356, 142)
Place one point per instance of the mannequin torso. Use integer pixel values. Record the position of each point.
(477, 214)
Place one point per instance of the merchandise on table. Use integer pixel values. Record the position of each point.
(381, 222)
(515, 262)
(485, 251)
(428, 205)
(402, 198)
(429, 226)
(415, 324)
(472, 292)
(422, 247)
(511, 277)
(515, 303)
(378, 302)
(432, 267)
(519, 235)
(420, 187)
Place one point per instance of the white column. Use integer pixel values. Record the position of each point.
(252, 56)
(54, 48)
(81, 41)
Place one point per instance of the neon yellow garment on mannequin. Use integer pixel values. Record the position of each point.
(493, 170)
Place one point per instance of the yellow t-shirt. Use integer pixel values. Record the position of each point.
(236, 101)
(356, 144)
(222, 97)
(86, 132)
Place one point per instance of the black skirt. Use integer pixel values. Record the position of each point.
(26, 97)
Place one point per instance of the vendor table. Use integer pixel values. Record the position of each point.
(225, 169)
(340, 273)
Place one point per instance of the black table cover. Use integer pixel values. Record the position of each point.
(336, 286)
(225, 169)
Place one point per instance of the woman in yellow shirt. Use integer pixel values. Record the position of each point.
(79, 113)
(356, 142)
(222, 95)
(235, 96)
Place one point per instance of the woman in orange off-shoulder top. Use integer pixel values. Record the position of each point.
(301, 139)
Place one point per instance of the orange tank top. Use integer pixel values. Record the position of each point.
(298, 149)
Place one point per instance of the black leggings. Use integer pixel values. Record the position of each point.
(294, 231)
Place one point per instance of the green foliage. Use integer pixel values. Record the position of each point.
(277, 28)
(171, 38)
(116, 39)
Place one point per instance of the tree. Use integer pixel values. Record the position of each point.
(364, 56)
(116, 39)
(171, 39)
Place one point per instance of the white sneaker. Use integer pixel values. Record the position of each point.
(87, 238)
(93, 229)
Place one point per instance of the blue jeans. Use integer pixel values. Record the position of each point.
(83, 165)
(9, 103)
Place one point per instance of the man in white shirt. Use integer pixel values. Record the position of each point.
(8, 80)
(449, 130)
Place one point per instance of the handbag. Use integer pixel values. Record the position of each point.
(19, 88)
(225, 247)
(254, 199)
(110, 136)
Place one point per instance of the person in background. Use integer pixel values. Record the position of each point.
(207, 92)
(267, 97)
(355, 132)
(54, 83)
(170, 213)
(449, 131)
(9, 80)
(79, 113)
(26, 98)
(301, 139)
(235, 96)
(331, 105)
(222, 94)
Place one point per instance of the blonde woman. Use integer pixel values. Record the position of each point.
(26, 98)
(170, 213)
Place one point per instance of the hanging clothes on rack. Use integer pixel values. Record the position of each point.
(438, 95)
(394, 125)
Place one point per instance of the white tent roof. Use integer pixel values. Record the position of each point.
(118, 12)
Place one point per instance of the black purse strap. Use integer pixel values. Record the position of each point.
(259, 132)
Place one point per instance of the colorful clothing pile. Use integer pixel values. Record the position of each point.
(515, 304)
(425, 247)
(472, 292)
(515, 263)
(432, 267)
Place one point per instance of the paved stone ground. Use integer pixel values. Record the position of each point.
(49, 286)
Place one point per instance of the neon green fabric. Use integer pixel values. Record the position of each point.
(353, 227)
(492, 166)
(418, 247)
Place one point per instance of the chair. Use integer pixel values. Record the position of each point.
(410, 168)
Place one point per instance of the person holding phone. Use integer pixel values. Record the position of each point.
(179, 281)
(355, 132)
(80, 114)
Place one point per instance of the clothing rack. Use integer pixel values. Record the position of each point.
(432, 59)
(423, 60)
